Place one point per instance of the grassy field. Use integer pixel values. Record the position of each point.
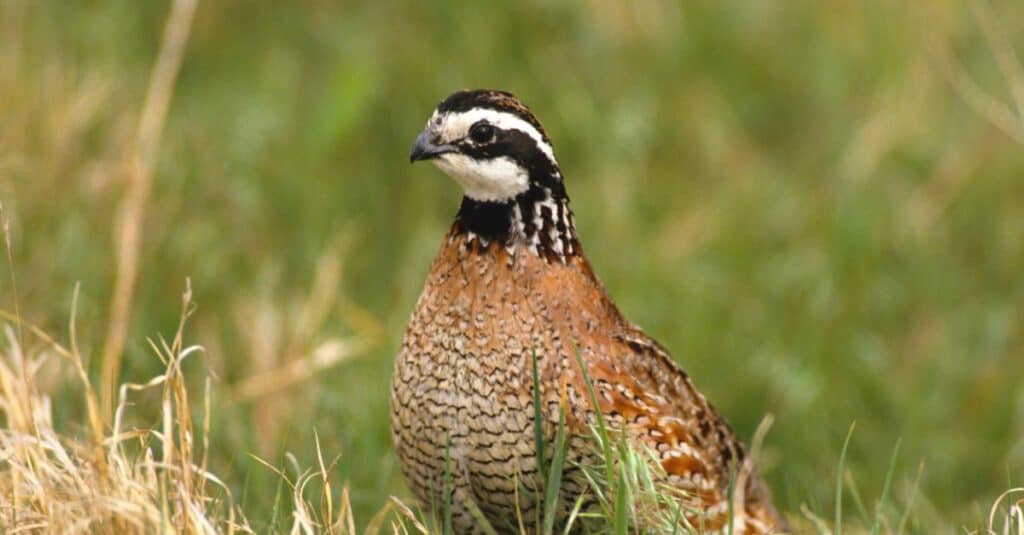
(817, 207)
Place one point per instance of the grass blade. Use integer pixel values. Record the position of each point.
(876, 526)
(854, 491)
(602, 430)
(278, 492)
(538, 427)
(574, 514)
(554, 476)
(676, 517)
(910, 503)
(478, 515)
(448, 485)
(621, 512)
(732, 492)
(839, 482)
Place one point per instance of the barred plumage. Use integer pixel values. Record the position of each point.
(509, 282)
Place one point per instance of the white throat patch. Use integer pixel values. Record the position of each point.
(499, 179)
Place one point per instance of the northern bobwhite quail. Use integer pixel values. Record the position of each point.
(511, 282)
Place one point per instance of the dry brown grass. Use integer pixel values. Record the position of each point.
(1007, 514)
(125, 480)
(122, 479)
(138, 186)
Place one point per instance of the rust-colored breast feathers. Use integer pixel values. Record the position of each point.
(462, 391)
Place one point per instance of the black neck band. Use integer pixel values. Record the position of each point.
(539, 219)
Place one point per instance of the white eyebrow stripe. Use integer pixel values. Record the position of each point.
(459, 122)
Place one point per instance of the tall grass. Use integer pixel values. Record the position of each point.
(121, 478)
(112, 478)
(156, 478)
(817, 208)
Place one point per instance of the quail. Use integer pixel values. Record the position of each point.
(511, 287)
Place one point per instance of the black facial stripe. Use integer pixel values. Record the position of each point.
(516, 145)
(490, 99)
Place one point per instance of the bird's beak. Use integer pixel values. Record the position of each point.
(425, 149)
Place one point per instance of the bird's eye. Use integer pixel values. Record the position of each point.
(481, 132)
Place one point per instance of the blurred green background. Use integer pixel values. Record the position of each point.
(817, 206)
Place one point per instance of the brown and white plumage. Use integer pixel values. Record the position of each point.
(509, 282)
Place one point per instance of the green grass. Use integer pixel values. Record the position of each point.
(839, 482)
(817, 208)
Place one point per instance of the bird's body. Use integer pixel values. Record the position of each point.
(511, 284)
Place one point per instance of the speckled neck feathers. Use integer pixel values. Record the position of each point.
(538, 220)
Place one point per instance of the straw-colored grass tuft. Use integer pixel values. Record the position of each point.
(105, 479)
(116, 479)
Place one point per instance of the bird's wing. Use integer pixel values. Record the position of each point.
(639, 386)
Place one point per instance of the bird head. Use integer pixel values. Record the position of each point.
(490, 143)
